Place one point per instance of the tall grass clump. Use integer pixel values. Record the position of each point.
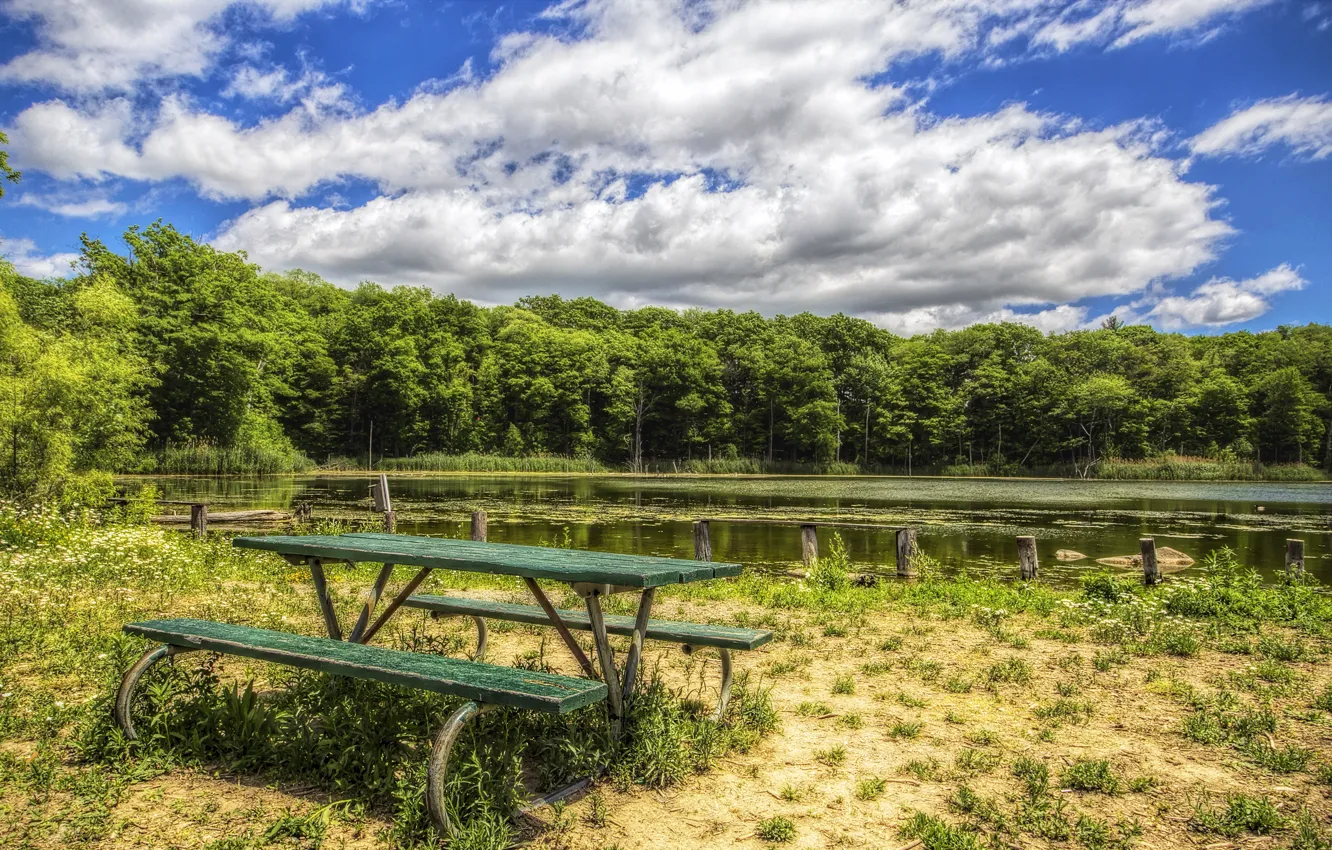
(201, 458)
(1187, 468)
(476, 462)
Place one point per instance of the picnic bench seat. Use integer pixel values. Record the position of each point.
(689, 635)
(484, 686)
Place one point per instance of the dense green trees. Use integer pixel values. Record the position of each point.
(176, 344)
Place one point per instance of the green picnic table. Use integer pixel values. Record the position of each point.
(591, 575)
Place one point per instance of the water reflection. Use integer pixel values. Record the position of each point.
(966, 523)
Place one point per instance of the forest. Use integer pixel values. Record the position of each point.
(171, 356)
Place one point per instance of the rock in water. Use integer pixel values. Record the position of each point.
(1167, 559)
(1069, 555)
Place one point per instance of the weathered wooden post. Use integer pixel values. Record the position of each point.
(1151, 570)
(1027, 561)
(479, 526)
(1294, 558)
(702, 541)
(906, 551)
(199, 519)
(379, 491)
(304, 512)
(809, 544)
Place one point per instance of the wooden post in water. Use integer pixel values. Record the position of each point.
(906, 550)
(702, 541)
(199, 519)
(1151, 570)
(379, 491)
(1027, 561)
(479, 526)
(1294, 558)
(304, 512)
(809, 544)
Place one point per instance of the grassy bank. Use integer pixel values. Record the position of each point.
(1166, 468)
(958, 712)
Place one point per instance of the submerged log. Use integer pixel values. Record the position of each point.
(1069, 555)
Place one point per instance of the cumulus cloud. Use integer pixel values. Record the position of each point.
(1222, 301)
(90, 46)
(29, 261)
(1302, 124)
(728, 154)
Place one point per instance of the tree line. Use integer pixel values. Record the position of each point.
(174, 343)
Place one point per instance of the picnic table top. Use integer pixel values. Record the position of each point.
(567, 565)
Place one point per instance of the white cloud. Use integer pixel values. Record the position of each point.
(1124, 22)
(592, 165)
(90, 46)
(81, 205)
(311, 87)
(1222, 301)
(25, 257)
(1302, 124)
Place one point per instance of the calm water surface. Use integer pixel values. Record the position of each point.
(966, 523)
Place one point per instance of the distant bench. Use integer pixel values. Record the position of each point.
(485, 686)
(689, 635)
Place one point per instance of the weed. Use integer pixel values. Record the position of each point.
(1035, 776)
(936, 834)
(1062, 710)
(904, 729)
(850, 721)
(926, 770)
(911, 702)
(1010, 671)
(958, 685)
(813, 709)
(1092, 775)
(891, 644)
(776, 829)
(981, 737)
(977, 761)
(870, 788)
(832, 757)
(844, 685)
(1241, 814)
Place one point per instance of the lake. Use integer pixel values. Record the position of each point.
(964, 522)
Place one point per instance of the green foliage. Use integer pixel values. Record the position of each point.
(214, 352)
(6, 171)
(831, 571)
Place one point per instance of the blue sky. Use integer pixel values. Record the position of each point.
(1169, 161)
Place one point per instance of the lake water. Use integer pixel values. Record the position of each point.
(965, 523)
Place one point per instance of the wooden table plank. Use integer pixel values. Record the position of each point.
(566, 565)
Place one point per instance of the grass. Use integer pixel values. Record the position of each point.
(197, 458)
(978, 706)
(475, 462)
